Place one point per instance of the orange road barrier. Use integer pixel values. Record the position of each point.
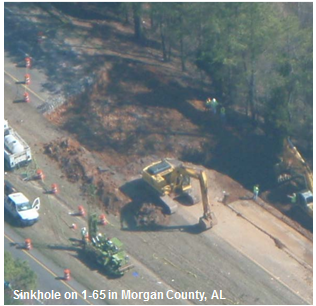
(27, 79)
(66, 274)
(28, 62)
(54, 189)
(40, 175)
(26, 97)
(28, 244)
(81, 210)
(103, 220)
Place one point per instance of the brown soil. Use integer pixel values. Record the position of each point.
(79, 166)
(125, 128)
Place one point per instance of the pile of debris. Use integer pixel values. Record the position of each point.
(100, 186)
(150, 215)
(79, 166)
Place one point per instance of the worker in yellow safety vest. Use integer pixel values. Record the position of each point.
(214, 106)
(293, 198)
(255, 192)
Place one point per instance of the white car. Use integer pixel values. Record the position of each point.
(20, 208)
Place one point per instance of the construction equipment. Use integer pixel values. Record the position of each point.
(169, 178)
(162, 179)
(16, 150)
(107, 253)
(19, 206)
(293, 168)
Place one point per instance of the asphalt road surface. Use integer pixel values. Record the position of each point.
(49, 275)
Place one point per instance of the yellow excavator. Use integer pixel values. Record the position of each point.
(170, 178)
(293, 168)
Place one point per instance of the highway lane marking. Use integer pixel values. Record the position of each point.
(29, 89)
(49, 271)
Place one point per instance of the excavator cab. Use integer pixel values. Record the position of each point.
(293, 169)
(171, 177)
(305, 201)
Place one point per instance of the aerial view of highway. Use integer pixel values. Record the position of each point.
(135, 172)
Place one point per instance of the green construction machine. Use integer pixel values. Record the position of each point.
(107, 253)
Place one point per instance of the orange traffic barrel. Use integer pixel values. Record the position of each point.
(27, 79)
(26, 97)
(40, 174)
(28, 244)
(66, 274)
(103, 220)
(81, 211)
(54, 189)
(28, 62)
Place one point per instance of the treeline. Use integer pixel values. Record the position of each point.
(259, 56)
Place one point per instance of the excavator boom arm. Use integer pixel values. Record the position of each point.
(201, 176)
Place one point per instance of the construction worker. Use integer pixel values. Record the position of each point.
(208, 103)
(293, 198)
(223, 114)
(214, 106)
(255, 192)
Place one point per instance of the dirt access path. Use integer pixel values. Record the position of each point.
(104, 128)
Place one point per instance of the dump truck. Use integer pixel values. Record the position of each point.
(16, 151)
(293, 169)
(170, 178)
(107, 253)
(19, 207)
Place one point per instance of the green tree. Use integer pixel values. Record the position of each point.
(18, 273)
(289, 87)
(137, 8)
(161, 13)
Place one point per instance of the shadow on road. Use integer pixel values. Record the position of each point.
(191, 229)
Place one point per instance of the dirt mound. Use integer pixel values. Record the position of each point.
(149, 215)
(99, 185)
(79, 166)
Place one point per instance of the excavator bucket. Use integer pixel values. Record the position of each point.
(207, 223)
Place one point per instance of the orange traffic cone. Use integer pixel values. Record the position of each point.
(81, 211)
(54, 189)
(103, 220)
(27, 62)
(27, 97)
(28, 244)
(66, 274)
(27, 79)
